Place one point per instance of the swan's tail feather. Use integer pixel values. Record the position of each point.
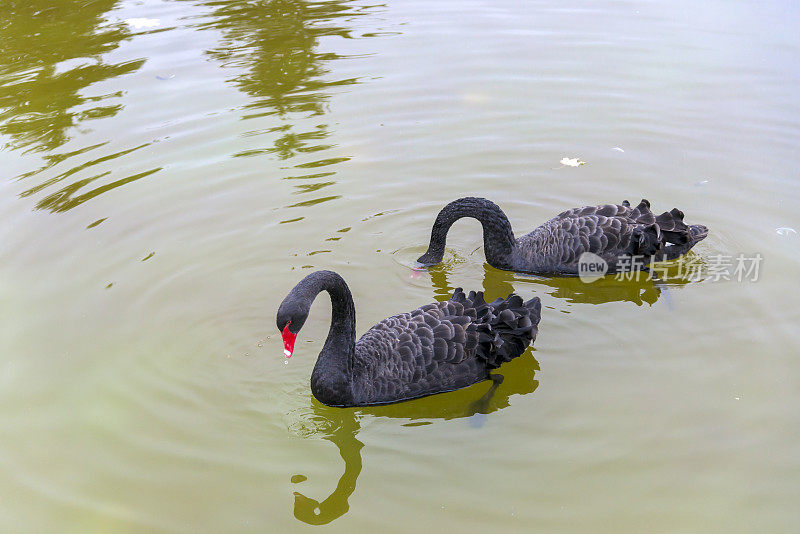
(505, 327)
(665, 236)
(673, 228)
(642, 213)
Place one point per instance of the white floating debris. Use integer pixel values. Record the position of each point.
(701, 182)
(572, 162)
(142, 23)
(784, 230)
(618, 149)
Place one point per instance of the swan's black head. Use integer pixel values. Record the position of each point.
(429, 259)
(291, 317)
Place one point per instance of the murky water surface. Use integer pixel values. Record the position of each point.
(170, 169)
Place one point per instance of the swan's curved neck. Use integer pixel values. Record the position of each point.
(498, 238)
(333, 370)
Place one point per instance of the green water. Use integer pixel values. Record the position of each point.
(170, 169)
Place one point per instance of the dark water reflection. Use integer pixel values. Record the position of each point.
(638, 290)
(273, 47)
(38, 93)
(497, 283)
(343, 427)
(51, 56)
(340, 426)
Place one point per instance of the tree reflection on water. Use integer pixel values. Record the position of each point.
(53, 57)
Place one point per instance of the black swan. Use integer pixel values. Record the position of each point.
(436, 348)
(617, 233)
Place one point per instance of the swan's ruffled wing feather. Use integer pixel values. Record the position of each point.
(439, 347)
(611, 231)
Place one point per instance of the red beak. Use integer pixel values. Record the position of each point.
(288, 341)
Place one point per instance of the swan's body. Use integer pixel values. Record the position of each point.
(615, 232)
(439, 347)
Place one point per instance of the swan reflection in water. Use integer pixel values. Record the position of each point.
(340, 426)
(638, 288)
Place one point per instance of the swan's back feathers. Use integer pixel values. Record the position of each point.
(611, 231)
(441, 347)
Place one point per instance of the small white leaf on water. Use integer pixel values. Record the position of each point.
(572, 162)
(618, 149)
(142, 23)
(783, 230)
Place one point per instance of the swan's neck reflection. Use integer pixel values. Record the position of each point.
(314, 512)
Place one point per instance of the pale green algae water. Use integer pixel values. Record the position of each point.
(171, 169)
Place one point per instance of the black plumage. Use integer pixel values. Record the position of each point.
(439, 347)
(617, 233)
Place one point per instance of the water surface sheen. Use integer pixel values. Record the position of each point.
(170, 169)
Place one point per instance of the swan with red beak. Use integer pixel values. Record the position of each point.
(439, 347)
